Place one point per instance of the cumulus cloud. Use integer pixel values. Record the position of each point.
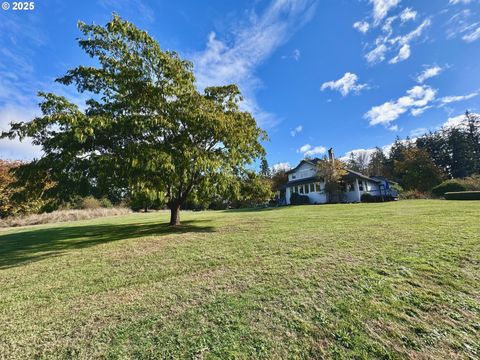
(417, 97)
(456, 121)
(428, 73)
(346, 84)
(361, 26)
(408, 14)
(281, 166)
(403, 54)
(296, 130)
(308, 150)
(381, 8)
(236, 60)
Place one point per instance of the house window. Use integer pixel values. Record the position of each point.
(317, 187)
(351, 187)
(306, 188)
(301, 189)
(294, 176)
(360, 184)
(312, 187)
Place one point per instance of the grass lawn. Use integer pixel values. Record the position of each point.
(392, 280)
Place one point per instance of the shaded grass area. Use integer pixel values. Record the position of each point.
(393, 280)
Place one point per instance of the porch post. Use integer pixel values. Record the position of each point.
(287, 195)
(357, 189)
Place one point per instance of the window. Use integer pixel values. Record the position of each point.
(294, 176)
(360, 184)
(306, 188)
(317, 187)
(351, 187)
(301, 189)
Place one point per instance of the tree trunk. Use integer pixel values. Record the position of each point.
(174, 215)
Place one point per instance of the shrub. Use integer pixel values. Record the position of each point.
(453, 185)
(369, 198)
(472, 183)
(413, 194)
(105, 203)
(463, 195)
(297, 199)
(91, 203)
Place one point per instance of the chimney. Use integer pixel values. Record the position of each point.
(331, 156)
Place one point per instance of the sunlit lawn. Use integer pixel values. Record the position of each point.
(392, 280)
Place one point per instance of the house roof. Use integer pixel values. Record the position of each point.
(308, 161)
(314, 161)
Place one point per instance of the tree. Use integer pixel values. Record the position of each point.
(332, 172)
(377, 163)
(264, 168)
(255, 190)
(359, 161)
(417, 170)
(146, 123)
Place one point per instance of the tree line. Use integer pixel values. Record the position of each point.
(421, 164)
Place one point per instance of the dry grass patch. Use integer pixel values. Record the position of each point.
(62, 216)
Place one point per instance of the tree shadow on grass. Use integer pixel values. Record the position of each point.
(37, 244)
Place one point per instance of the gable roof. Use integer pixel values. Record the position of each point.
(351, 173)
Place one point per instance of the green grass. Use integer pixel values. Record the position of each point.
(392, 280)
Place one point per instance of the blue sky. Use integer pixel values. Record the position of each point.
(348, 74)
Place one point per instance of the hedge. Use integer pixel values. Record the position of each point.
(297, 199)
(453, 185)
(463, 195)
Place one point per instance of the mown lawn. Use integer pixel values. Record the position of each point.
(392, 280)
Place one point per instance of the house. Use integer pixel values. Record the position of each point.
(304, 180)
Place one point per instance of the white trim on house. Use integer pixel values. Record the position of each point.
(303, 180)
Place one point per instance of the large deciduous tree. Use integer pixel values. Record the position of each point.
(145, 125)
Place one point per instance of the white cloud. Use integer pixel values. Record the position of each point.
(403, 54)
(296, 54)
(450, 99)
(417, 97)
(345, 85)
(456, 121)
(393, 128)
(464, 23)
(381, 8)
(474, 35)
(418, 132)
(385, 43)
(281, 166)
(377, 54)
(14, 149)
(308, 150)
(297, 130)
(408, 14)
(358, 153)
(235, 61)
(454, 2)
(420, 111)
(361, 26)
(429, 73)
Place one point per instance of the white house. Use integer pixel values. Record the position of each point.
(304, 180)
